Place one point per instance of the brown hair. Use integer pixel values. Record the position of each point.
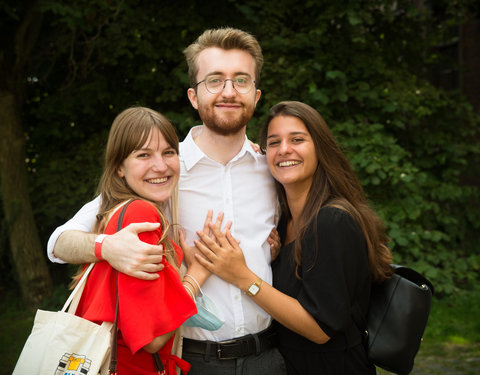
(335, 184)
(129, 132)
(227, 39)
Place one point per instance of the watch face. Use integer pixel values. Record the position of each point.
(253, 289)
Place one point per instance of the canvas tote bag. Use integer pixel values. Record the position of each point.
(61, 342)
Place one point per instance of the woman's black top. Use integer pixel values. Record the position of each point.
(335, 279)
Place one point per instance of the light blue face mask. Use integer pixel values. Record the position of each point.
(208, 317)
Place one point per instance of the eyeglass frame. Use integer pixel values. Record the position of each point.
(224, 84)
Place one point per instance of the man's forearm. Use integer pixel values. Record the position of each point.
(76, 247)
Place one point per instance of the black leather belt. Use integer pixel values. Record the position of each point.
(233, 349)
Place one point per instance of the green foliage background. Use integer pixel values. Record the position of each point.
(365, 65)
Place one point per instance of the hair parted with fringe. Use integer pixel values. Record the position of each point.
(129, 132)
(335, 184)
(225, 38)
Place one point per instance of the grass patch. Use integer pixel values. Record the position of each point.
(15, 326)
(16, 323)
(451, 342)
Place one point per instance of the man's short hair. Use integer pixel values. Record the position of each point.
(227, 39)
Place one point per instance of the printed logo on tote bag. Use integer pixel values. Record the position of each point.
(73, 364)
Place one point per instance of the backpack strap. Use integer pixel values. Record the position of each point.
(412, 276)
(360, 322)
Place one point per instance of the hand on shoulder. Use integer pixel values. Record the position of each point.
(126, 253)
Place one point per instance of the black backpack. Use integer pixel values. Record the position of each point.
(396, 320)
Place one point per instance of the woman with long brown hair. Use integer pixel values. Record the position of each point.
(141, 167)
(334, 248)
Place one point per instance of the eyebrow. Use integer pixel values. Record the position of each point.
(151, 149)
(292, 133)
(217, 73)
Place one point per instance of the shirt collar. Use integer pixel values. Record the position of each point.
(192, 154)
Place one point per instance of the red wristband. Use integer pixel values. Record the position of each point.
(98, 246)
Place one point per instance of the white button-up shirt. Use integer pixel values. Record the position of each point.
(244, 191)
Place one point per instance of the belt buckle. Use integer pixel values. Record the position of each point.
(219, 349)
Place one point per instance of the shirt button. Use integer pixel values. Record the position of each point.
(239, 330)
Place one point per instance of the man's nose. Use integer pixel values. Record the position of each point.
(228, 88)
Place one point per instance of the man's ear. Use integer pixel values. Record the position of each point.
(192, 96)
(258, 93)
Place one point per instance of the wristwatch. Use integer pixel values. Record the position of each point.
(254, 288)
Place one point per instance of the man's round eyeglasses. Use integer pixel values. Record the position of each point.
(215, 84)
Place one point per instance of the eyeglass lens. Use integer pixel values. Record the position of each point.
(215, 84)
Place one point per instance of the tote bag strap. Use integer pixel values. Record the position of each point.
(74, 297)
(113, 358)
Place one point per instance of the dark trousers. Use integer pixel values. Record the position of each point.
(269, 362)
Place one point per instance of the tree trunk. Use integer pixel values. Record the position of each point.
(28, 255)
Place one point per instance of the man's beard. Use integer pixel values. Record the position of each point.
(224, 125)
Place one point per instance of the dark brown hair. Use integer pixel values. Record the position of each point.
(335, 184)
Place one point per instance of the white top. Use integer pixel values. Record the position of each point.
(244, 190)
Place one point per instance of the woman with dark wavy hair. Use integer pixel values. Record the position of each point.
(334, 248)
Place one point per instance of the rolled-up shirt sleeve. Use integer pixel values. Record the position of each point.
(82, 221)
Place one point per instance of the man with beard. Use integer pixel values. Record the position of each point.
(221, 172)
